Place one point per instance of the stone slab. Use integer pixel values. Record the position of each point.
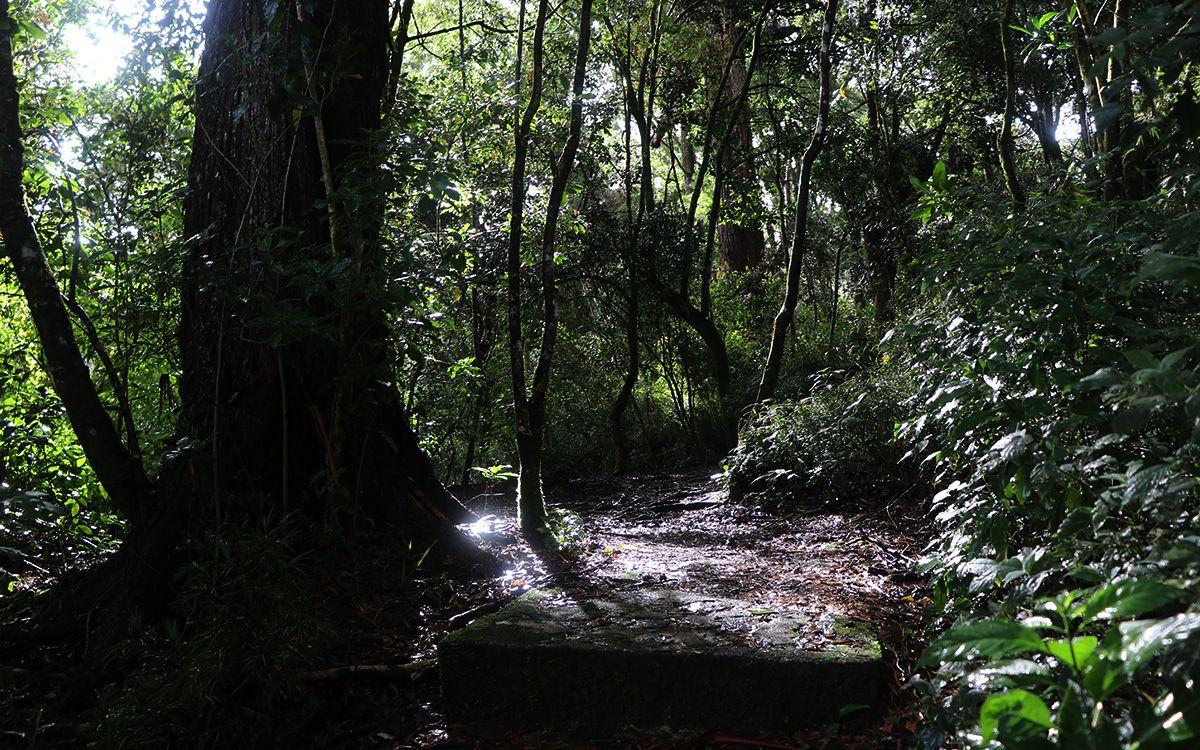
(652, 659)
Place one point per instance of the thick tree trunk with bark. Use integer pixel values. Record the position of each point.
(263, 348)
(274, 370)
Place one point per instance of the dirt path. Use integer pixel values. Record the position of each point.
(679, 531)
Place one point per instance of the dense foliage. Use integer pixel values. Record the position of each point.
(995, 279)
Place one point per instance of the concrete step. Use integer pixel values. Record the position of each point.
(601, 664)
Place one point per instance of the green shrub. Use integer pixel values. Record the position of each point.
(835, 448)
(1057, 401)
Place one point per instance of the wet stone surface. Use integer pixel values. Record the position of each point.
(654, 658)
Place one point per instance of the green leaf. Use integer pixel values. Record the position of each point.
(1127, 599)
(1014, 707)
(1098, 380)
(939, 179)
(1107, 115)
(1074, 652)
(988, 639)
(1174, 358)
(32, 29)
(1141, 360)
(1142, 640)
(1169, 267)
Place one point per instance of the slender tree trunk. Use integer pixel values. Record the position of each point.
(882, 273)
(625, 395)
(402, 12)
(787, 311)
(835, 298)
(639, 105)
(881, 259)
(1044, 123)
(119, 472)
(530, 408)
(529, 492)
(1106, 139)
(678, 301)
(1005, 143)
(687, 160)
(482, 340)
(633, 350)
(1083, 112)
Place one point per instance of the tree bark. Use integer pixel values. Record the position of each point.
(262, 351)
(1044, 124)
(639, 106)
(526, 453)
(264, 401)
(482, 342)
(787, 311)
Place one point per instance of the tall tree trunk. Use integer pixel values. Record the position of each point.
(119, 471)
(881, 269)
(633, 349)
(530, 407)
(1044, 123)
(879, 211)
(266, 405)
(1107, 139)
(787, 311)
(1005, 143)
(616, 415)
(528, 450)
(639, 105)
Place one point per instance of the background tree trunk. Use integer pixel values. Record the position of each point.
(530, 408)
(740, 237)
(783, 319)
(1005, 144)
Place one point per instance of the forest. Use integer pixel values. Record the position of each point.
(600, 374)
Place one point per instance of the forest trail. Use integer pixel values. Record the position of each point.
(680, 533)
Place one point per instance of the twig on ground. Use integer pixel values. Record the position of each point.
(374, 670)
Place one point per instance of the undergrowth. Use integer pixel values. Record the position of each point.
(217, 669)
(835, 448)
